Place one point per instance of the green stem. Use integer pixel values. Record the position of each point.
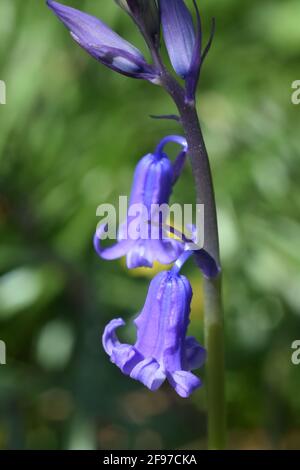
(215, 367)
(213, 309)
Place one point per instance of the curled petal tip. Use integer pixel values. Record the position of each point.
(115, 251)
(149, 373)
(185, 383)
(109, 339)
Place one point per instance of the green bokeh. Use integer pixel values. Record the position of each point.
(70, 136)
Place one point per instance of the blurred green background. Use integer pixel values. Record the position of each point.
(70, 136)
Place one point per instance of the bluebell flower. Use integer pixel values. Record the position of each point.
(162, 349)
(183, 40)
(103, 43)
(152, 186)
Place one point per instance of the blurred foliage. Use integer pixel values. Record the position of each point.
(70, 136)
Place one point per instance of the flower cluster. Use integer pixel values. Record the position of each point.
(162, 349)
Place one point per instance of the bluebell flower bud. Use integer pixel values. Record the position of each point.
(183, 40)
(103, 43)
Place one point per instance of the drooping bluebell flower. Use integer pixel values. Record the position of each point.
(183, 40)
(152, 186)
(162, 349)
(103, 43)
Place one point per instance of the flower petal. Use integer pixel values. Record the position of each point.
(163, 322)
(140, 255)
(109, 338)
(139, 179)
(179, 34)
(207, 264)
(117, 59)
(195, 354)
(124, 356)
(150, 373)
(184, 382)
(153, 180)
(176, 309)
(150, 321)
(118, 250)
(167, 251)
(178, 165)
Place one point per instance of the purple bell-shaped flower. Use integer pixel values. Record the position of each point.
(162, 349)
(152, 186)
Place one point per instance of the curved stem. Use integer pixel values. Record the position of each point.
(177, 139)
(214, 328)
(181, 261)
